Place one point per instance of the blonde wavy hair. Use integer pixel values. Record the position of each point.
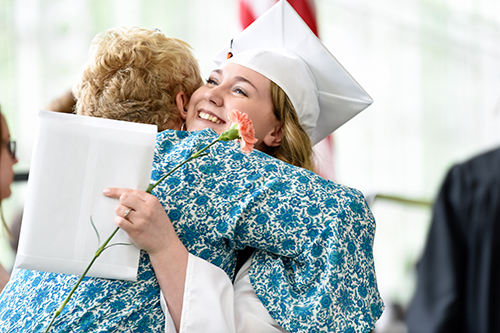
(134, 74)
(296, 145)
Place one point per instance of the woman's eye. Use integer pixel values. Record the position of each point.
(240, 91)
(211, 81)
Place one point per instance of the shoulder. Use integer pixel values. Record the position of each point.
(479, 169)
(486, 160)
(170, 137)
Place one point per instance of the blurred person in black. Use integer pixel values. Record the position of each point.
(459, 272)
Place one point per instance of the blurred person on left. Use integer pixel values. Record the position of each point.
(7, 161)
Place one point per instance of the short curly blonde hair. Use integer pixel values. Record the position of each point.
(134, 74)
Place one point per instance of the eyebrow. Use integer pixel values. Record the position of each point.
(237, 78)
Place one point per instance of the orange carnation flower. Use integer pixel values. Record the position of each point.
(245, 128)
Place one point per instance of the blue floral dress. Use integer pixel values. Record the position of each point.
(30, 299)
(313, 267)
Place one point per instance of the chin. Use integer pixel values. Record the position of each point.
(216, 128)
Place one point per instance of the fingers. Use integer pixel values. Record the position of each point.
(123, 214)
(141, 216)
(127, 216)
(114, 192)
(134, 204)
(127, 196)
(124, 211)
(127, 212)
(130, 201)
(122, 223)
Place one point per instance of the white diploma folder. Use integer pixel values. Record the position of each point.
(74, 159)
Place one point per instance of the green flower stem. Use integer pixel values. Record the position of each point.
(103, 247)
(192, 157)
(96, 255)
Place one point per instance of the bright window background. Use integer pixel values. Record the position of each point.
(431, 66)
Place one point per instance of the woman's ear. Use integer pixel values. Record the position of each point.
(273, 138)
(181, 101)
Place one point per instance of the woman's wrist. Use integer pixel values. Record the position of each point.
(170, 265)
(172, 253)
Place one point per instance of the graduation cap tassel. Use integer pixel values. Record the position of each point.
(230, 53)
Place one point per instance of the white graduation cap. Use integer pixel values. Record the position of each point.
(280, 46)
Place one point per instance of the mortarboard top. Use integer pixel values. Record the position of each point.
(280, 46)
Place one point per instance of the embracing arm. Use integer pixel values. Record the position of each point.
(170, 270)
(212, 304)
(149, 227)
(199, 292)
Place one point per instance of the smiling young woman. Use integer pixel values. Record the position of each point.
(235, 87)
(275, 120)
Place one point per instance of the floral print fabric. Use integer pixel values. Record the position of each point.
(30, 299)
(313, 268)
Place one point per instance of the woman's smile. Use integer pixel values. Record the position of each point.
(207, 115)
